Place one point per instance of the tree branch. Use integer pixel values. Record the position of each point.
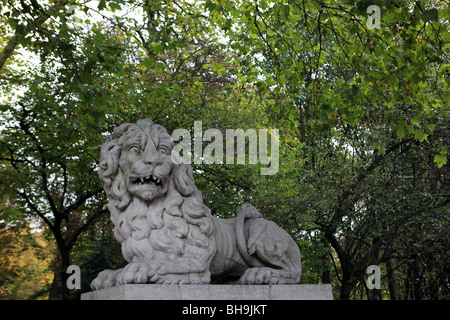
(36, 210)
(12, 43)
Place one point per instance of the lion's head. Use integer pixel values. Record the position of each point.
(135, 161)
(147, 191)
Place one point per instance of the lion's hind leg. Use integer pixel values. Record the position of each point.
(266, 275)
(277, 255)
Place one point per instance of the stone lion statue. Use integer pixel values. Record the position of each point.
(168, 235)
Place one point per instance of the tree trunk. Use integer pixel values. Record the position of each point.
(376, 293)
(59, 290)
(326, 274)
(407, 282)
(346, 289)
(347, 282)
(391, 279)
(417, 280)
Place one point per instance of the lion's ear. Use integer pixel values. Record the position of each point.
(109, 161)
(183, 179)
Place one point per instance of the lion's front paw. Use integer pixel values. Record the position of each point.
(105, 279)
(138, 272)
(187, 278)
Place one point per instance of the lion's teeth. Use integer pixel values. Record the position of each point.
(142, 180)
(158, 181)
(147, 177)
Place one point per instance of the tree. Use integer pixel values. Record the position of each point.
(89, 80)
(334, 84)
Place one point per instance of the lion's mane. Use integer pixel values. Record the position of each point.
(170, 227)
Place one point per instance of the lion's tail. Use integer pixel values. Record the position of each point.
(246, 211)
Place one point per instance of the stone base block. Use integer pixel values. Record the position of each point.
(212, 292)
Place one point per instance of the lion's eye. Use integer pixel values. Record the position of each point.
(162, 150)
(134, 149)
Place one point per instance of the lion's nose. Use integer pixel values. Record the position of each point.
(151, 159)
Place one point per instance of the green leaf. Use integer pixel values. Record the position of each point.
(176, 87)
(160, 48)
(102, 5)
(114, 6)
(401, 129)
(285, 11)
(419, 135)
(440, 160)
(263, 4)
(379, 147)
(430, 127)
(430, 15)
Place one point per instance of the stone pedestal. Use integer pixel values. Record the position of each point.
(212, 292)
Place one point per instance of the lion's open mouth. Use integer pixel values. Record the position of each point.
(147, 180)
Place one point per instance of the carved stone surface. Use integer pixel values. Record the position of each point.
(168, 235)
(212, 292)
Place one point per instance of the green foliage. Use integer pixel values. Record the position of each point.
(350, 100)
